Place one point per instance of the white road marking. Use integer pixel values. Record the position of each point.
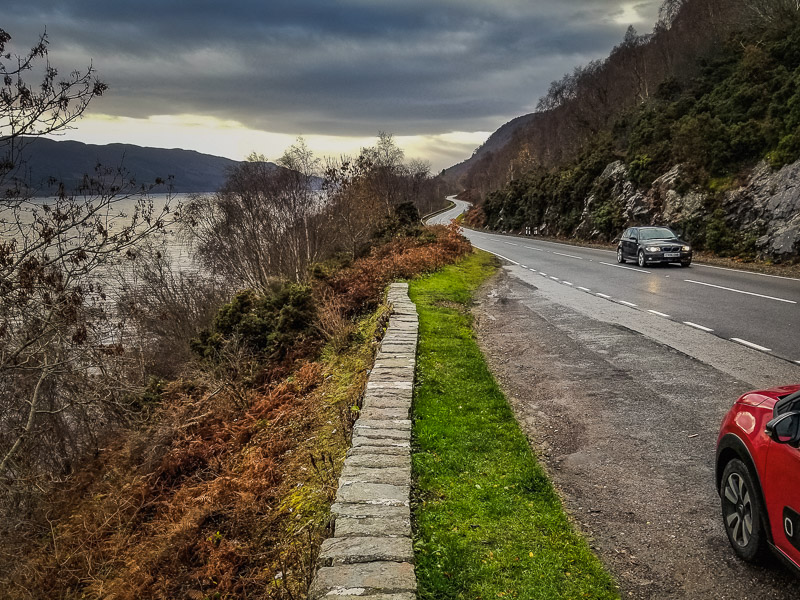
(524, 266)
(554, 278)
(542, 273)
(603, 296)
(696, 326)
(566, 283)
(719, 287)
(583, 289)
(497, 255)
(746, 272)
(628, 268)
(660, 314)
(751, 345)
(509, 243)
(567, 255)
(628, 303)
(532, 248)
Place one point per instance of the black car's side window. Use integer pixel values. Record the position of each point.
(634, 233)
(627, 234)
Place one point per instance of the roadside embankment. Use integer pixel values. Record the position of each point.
(487, 521)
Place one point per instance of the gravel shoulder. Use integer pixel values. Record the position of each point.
(626, 427)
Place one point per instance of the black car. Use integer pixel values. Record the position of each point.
(648, 245)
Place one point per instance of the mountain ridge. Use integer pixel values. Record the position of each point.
(47, 162)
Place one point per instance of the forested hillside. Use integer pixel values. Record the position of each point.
(696, 125)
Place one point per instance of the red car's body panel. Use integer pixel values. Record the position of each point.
(742, 434)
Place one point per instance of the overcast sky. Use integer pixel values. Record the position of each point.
(231, 77)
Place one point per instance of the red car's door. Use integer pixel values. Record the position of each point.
(782, 495)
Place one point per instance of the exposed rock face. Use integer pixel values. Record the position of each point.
(667, 205)
(770, 205)
(623, 192)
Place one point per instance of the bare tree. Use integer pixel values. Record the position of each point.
(265, 223)
(63, 366)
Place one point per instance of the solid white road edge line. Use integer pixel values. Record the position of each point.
(746, 272)
(740, 291)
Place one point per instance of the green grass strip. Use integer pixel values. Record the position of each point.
(488, 523)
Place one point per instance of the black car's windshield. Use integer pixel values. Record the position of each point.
(656, 233)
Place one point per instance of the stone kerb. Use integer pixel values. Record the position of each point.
(370, 555)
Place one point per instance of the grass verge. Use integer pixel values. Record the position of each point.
(488, 523)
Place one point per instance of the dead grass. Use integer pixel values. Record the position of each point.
(224, 492)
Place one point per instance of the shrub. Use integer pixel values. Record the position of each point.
(268, 323)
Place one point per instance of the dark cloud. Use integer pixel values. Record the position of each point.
(324, 67)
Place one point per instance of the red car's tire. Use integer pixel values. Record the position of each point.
(742, 512)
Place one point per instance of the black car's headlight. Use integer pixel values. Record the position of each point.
(653, 249)
(687, 248)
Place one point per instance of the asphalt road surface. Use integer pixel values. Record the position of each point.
(623, 403)
(754, 310)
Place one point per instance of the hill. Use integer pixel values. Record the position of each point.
(695, 125)
(68, 161)
(496, 142)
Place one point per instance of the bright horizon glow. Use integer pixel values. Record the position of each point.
(629, 15)
(232, 139)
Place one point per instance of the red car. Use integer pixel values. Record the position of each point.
(758, 474)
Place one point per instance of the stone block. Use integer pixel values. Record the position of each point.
(360, 510)
(363, 579)
(377, 461)
(372, 526)
(387, 475)
(383, 424)
(391, 413)
(382, 494)
(345, 551)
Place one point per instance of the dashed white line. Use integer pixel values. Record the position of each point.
(603, 296)
(509, 243)
(566, 283)
(554, 278)
(567, 255)
(583, 289)
(524, 266)
(740, 291)
(542, 273)
(696, 326)
(660, 314)
(532, 248)
(627, 268)
(628, 303)
(751, 345)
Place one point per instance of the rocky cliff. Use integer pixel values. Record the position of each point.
(765, 209)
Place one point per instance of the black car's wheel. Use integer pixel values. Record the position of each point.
(741, 511)
(620, 258)
(641, 260)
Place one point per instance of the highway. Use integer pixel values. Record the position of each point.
(759, 312)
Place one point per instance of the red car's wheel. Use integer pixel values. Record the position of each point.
(741, 511)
